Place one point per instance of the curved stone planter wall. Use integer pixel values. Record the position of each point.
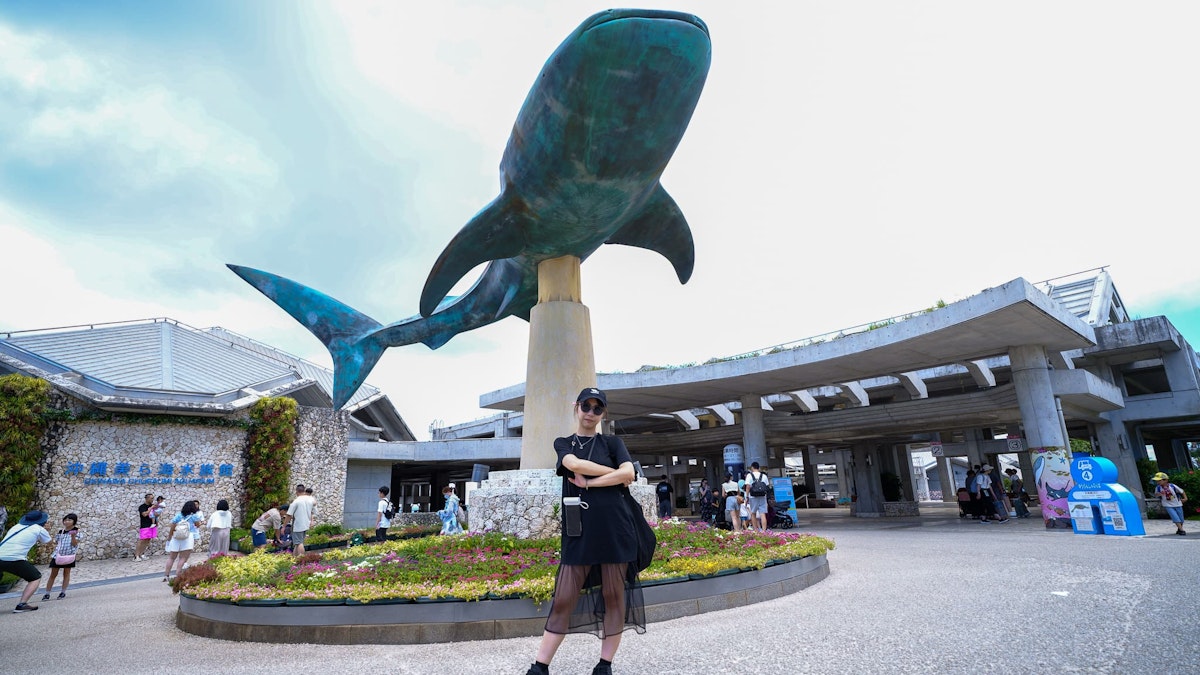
(419, 623)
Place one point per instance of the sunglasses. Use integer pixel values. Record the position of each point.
(598, 409)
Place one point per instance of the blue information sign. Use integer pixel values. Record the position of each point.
(1100, 505)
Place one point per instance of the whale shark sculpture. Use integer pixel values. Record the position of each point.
(581, 169)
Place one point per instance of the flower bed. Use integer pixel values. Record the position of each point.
(472, 567)
(326, 536)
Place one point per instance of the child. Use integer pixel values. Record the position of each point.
(160, 505)
(1173, 498)
(744, 512)
(66, 542)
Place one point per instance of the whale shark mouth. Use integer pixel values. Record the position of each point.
(653, 14)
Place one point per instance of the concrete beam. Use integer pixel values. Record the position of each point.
(1059, 361)
(766, 405)
(803, 400)
(981, 373)
(687, 419)
(481, 450)
(722, 413)
(855, 392)
(913, 384)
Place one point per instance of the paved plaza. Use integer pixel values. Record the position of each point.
(933, 594)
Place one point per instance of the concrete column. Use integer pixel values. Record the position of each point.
(867, 487)
(974, 451)
(812, 481)
(903, 461)
(841, 470)
(754, 439)
(560, 360)
(1111, 447)
(1025, 460)
(946, 480)
(1035, 396)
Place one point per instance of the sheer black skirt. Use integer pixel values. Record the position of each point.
(603, 600)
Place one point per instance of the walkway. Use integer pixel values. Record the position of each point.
(933, 594)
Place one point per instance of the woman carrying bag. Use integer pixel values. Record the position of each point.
(600, 541)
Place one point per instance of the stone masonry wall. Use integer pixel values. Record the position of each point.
(319, 460)
(526, 503)
(101, 470)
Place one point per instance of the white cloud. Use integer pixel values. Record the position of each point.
(76, 106)
(846, 163)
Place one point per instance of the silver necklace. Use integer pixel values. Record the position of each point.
(582, 444)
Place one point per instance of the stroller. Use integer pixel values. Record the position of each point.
(965, 508)
(777, 516)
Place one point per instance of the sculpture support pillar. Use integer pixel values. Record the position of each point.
(560, 363)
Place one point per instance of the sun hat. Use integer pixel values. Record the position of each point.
(986, 467)
(35, 517)
(1161, 476)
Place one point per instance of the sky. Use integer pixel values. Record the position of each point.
(847, 162)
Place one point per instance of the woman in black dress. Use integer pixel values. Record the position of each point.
(600, 560)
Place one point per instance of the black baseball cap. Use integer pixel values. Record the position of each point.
(592, 392)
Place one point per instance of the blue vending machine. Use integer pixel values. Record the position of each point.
(1100, 505)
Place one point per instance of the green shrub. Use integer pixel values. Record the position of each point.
(272, 439)
(22, 402)
(325, 529)
(1146, 470)
(1190, 482)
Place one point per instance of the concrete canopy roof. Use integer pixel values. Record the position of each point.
(978, 327)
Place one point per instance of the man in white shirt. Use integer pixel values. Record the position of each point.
(301, 514)
(757, 488)
(14, 549)
(382, 522)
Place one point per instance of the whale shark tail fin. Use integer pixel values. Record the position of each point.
(495, 233)
(351, 337)
(661, 227)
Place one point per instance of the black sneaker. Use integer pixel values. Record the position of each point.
(538, 669)
(25, 607)
(602, 669)
(45, 597)
(62, 595)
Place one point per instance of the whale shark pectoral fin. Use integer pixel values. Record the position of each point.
(496, 232)
(435, 341)
(661, 227)
(350, 336)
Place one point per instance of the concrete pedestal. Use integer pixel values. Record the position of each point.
(561, 361)
(525, 503)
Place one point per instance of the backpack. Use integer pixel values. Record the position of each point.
(759, 487)
(389, 512)
(181, 531)
(663, 489)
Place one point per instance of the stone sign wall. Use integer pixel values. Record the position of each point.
(101, 471)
